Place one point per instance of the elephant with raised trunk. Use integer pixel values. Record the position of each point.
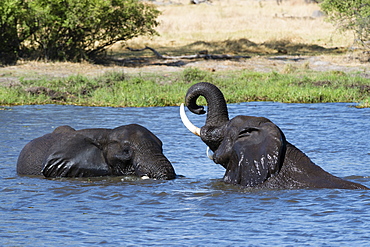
(125, 150)
(253, 150)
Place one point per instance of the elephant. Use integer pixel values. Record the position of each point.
(253, 150)
(126, 150)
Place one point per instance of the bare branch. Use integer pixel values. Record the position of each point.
(203, 55)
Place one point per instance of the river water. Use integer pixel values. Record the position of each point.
(196, 209)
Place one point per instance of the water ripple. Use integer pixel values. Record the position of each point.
(197, 208)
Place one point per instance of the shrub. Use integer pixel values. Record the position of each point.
(73, 29)
(353, 15)
(13, 29)
(194, 75)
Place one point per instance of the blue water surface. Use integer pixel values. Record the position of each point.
(196, 209)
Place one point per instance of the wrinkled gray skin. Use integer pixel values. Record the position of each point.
(253, 150)
(125, 150)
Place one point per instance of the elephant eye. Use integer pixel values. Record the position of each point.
(246, 132)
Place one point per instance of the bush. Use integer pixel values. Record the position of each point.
(351, 15)
(13, 29)
(72, 30)
(195, 74)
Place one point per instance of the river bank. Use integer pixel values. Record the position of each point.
(278, 53)
(300, 79)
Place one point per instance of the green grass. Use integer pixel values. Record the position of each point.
(118, 89)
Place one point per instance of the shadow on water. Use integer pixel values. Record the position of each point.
(197, 208)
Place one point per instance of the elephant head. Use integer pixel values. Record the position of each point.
(249, 148)
(125, 150)
(253, 150)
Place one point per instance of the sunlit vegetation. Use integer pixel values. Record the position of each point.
(120, 90)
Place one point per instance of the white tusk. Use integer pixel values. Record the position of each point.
(145, 177)
(185, 120)
(209, 153)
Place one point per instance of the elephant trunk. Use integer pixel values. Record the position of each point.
(150, 161)
(158, 167)
(217, 114)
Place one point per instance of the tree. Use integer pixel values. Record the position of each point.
(353, 15)
(74, 29)
(13, 29)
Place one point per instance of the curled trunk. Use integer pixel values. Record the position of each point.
(217, 114)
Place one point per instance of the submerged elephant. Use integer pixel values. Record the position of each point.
(253, 150)
(66, 152)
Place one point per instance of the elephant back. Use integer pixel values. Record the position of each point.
(31, 157)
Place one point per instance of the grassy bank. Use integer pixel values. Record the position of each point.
(118, 89)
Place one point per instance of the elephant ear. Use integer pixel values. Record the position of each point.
(75, 156)
(257, 154)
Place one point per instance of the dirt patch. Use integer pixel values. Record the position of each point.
(11, 75)
(279, 63)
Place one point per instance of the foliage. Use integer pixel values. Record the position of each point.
(194, 74)
(353, 15)
(14, 28)
(72, 29)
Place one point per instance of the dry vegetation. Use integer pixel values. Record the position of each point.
(249, 26)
